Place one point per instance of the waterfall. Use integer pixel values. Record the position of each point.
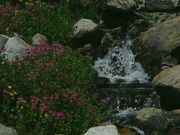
(119, 64)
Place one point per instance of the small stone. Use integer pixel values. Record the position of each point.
(39, 39)
(103, 130)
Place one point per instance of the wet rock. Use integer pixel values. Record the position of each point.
(111, 38)
(39, 39)
(7, 130)
(167, 84)
(14, 48)
(161, 5)
(103, 130)
(130, 130)
(3, 40)
(159, 17)
(152, 120)
(159, 41)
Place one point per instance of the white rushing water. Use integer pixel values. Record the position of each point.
(119, 64)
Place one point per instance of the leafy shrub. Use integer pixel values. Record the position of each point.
(49, 91)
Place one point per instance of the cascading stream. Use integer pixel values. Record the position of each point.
(119, 64)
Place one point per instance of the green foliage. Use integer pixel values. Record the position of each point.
(56, 72)
(48, 92)
(53, 66)
(52, 20)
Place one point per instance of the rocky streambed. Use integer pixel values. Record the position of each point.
(137, 61)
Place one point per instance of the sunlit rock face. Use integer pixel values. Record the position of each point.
(119, 65)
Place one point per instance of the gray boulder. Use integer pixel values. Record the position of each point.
(85, 31)
(167, 84)
(7, 130)
(158, 42)
(83, 27)
(152, 120)
(161, 5)
(14, 48)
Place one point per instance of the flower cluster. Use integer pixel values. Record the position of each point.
(45, 105)
(52, 91)
(72, 96)
(36, 50)
(39, 56)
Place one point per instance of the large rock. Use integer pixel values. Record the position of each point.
(85, 31)
(3, 40)
(174, 117)
(159, 41)
(84, 27)
(167, 84)
(103, 130)
(148, 5)
(161, 5)
(152, 120)
(14, 48)
(7, 130)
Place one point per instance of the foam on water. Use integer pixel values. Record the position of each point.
(119, 64)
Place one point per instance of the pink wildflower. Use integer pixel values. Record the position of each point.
(59, 115)
(21, 100)
(34, 101)
(72, 96)
(43, 107)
